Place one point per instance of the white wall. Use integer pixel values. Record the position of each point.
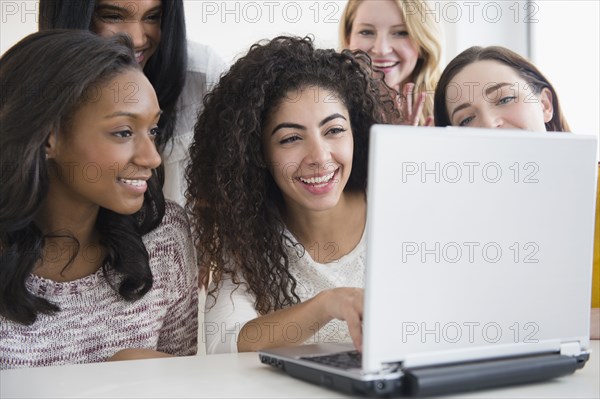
(17, 19)
(561, 36)
(232, 26)
(565, 44)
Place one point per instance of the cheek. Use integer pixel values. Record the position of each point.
(283, 174)
(408, 49)
(534, 112)
(346, 153)
(103, 29)
(358, 43)
(156, 34)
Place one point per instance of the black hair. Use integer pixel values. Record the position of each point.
(166, 69)
(43, 80)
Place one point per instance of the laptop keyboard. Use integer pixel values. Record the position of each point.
(342, 360)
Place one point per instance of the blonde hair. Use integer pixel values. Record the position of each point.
(426, 33)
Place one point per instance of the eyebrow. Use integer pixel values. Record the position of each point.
(487, 93)
(371, 25)
(495, 87)
(460, 107)
(300, 127)
(128, 115)
(114, 7)
(110, 7)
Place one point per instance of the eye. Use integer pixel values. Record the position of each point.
(289, 140)
(506, 100)
(155, 132)
(336, 130)
(123, 134)
(466, 121)
(400, 33)
(366, 32)
(110, 17)
(155, 18)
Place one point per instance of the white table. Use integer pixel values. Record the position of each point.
(232, 375)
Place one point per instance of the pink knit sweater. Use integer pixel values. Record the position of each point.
(94, 322)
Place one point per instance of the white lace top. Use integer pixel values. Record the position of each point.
(203, 72)
(234, 308)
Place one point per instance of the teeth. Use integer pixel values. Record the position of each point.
(384, 64)
(318, 180)
(132, 182)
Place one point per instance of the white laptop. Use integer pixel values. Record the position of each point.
(479, 264)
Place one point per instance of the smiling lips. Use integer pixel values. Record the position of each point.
(318, 181)
(139, 56)
(134, 182)
(384, 64)
(137, 186)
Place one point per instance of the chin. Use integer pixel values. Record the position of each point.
(128, 209)
(323, 206)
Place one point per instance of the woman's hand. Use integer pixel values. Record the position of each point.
(269, 331)
(136, 354)
(411, 111)
(347, 304)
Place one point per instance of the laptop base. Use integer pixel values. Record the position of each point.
(436, 380)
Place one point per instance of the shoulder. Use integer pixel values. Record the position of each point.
(174, 215)
(205, 60)
(171, 248)
(174, 227)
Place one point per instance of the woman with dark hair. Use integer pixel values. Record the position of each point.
(497, 88)
(277, 184)
(180, 71)
(94, 264)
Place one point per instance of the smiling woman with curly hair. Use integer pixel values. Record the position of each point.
(277, 192)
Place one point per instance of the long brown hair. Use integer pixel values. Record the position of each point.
(166, 69)
(524, 68)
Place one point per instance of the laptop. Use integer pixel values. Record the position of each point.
(479, 264)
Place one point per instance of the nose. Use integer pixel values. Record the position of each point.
(491, 120)
(381, 45)
(137, 31)
(146, 156)
(319, 153)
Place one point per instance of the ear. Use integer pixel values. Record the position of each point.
(51, 145)
(546, 103)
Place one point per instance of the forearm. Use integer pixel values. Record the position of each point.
(136, 354)
(291, 326)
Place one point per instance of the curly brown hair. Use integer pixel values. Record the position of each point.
(232, 197)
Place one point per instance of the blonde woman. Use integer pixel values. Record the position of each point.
(404, 42)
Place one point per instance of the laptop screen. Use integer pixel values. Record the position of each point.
(479, 243)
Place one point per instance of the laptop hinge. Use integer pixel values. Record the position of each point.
(570, 348)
